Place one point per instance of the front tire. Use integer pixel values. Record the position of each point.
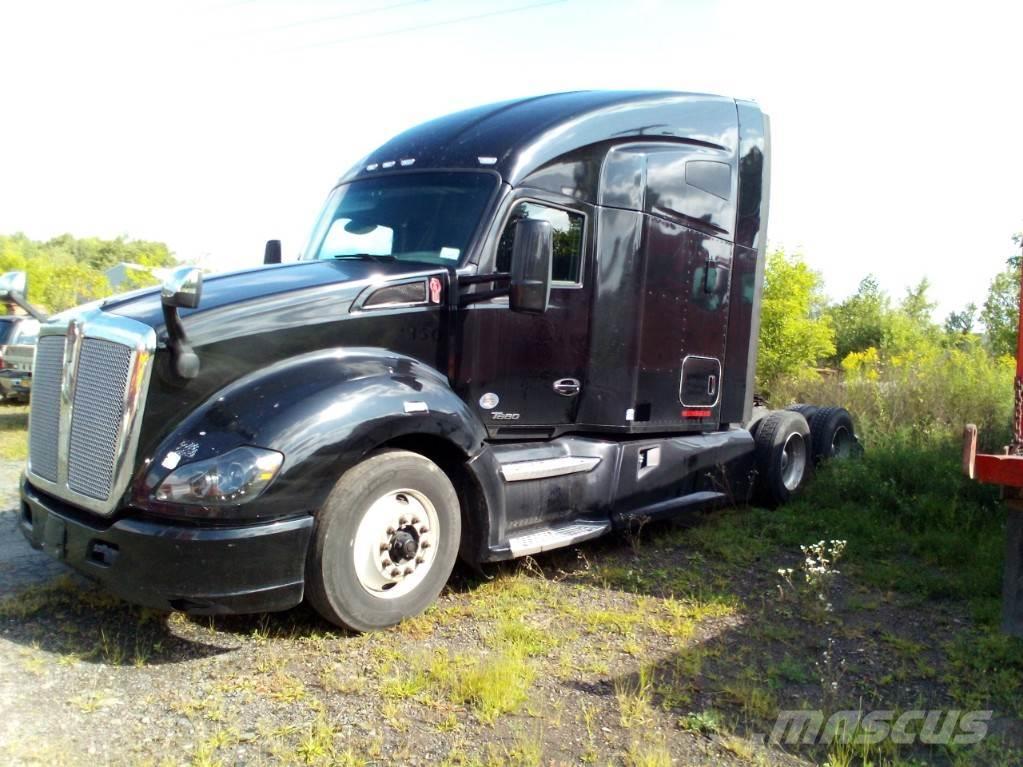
(385, 542)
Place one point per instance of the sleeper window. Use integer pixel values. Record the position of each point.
(568, 240)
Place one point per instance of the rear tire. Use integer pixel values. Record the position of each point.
(832, 434)
(385, 542)
(806, 411)
(783, 457)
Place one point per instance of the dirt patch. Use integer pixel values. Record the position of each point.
(644, 651)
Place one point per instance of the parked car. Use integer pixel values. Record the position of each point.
(17, 348)
(515, 328)
(16, 375)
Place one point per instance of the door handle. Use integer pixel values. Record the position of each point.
(566, 387)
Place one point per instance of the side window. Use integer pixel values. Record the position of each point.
(568, 240)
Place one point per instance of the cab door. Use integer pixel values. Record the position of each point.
(523, 373)
(688, 216)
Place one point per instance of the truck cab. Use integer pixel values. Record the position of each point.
(514, 328)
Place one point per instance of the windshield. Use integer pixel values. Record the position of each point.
(426, 217)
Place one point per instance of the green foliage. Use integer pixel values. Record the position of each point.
(961, 323)
(1000, 313)
(860, 320)
(794, 334)
(931, 390)
(896, 369)
(65, 271)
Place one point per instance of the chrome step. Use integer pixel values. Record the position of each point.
(556, 537)
(543, 468)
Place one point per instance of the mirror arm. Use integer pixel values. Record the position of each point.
(184, 360)
(478, 279)
(484, 295)
(481, 279)
(32, 311)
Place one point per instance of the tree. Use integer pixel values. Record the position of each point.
(795, 334)
(910, 327)
(1000, 314)
(916, 305)
(859, 321)
(65, 271)
(961, 323)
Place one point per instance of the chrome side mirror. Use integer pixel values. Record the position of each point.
(182, 288)
(13, 283)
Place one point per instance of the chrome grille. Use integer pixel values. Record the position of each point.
(44, 436)
(92, 374)
(101, 382)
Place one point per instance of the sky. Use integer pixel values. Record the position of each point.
(214, 126)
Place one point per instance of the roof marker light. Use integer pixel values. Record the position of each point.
(409, 161)
(487, 160)
(388, 164)
(372, 166)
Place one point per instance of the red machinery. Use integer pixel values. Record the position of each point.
(1006, 470)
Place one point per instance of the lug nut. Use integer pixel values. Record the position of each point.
(424, 544)
(385, 546)
(395, 572)
(424, 530)
(390, 531)
(403, 521)
(408, 571)
(415, 520)
(420, 559)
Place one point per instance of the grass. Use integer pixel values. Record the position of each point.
(13, 432)
(681, 631)
(490, 684)
(635, 698)
(647, 754)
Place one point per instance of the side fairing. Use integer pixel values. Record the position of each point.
(324, 411)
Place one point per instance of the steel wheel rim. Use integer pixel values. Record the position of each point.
(384, 567)
(793, 461)
(841, 443)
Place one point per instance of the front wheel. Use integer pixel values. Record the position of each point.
(385, 542)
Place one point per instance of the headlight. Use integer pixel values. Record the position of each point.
(237, 476)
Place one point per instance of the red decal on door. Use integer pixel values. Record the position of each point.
(435, 290)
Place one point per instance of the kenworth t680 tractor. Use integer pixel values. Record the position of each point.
(514, 328)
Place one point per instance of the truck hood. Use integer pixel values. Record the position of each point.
(267, 288)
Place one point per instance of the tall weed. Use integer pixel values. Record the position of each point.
(915, 396)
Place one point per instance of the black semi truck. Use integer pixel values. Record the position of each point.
(514, 328)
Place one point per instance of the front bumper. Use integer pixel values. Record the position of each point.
(203, 570)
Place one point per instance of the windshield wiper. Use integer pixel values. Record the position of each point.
(365, 256)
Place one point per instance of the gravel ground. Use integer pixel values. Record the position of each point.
(20, 565)
(664, 649)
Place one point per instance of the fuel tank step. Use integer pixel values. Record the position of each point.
(555, 537)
